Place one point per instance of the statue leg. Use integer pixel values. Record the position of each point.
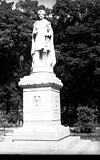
(47, 58)
(44, 59)
(41, 58)
(36, 58)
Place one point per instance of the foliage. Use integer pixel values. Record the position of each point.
(77, 41)
(68, 115)
(14, 41)
(15, 58)
(11, 102)
(30, 8)
(76, 26)
(86, 119)
(27, 5)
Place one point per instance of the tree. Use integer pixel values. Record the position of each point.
(4, 6)
(76, 26)
(15, 58)
(77, 39)
(15, 53)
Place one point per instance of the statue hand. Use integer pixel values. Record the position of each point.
(48, 36)
(32, 54)
(34, 36)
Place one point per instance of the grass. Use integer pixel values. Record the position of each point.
(3, 132)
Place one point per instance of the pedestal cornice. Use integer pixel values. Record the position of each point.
(40, 79)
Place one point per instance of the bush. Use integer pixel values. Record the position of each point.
(12, 117)
(3, 121)
(86, 119)
(9, 120)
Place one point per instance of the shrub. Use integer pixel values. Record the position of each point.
(86, 119)
(12, 117)
(3, 121)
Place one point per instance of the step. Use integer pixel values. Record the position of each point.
(94, 148)
(38, 147)
(81, 147)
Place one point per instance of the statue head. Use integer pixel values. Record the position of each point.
(41, 13)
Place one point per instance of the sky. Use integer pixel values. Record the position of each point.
(47, 3)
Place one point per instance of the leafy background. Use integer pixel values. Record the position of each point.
(76, 26)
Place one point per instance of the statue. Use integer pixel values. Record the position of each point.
(41, 89)
(42, 51)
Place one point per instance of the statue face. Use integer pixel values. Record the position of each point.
(41, 16)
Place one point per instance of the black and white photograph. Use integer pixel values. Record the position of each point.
(49, 77)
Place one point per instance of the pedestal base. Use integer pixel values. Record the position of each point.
(41, 107)
(41, 131)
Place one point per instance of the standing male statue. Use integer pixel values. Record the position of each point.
(42, 51)
(41, 89)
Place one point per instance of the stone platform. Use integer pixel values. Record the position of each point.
(71, 145)
(41, 131)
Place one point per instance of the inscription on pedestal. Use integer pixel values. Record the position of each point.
(55, 106)
(56, 101)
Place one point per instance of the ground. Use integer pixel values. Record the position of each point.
(69, 145)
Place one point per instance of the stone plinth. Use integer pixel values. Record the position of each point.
(41, 107)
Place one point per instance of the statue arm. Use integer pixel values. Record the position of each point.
(49, 31)
(34, 33)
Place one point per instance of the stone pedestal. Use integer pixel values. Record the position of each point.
(41, 107)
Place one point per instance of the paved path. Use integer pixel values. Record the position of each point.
(69, 145)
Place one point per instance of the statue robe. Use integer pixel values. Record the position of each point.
(42, 40)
